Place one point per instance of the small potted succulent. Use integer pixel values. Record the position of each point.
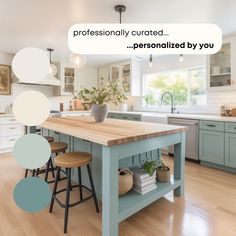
(162, 172)
(109, 92)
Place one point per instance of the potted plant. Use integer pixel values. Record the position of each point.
(162, 171)
(150, 167)
(110, 92)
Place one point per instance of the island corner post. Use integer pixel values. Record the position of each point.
(112, 215)
(113, 142)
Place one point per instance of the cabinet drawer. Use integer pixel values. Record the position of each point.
(114, 115)
(8, 120)
(230, 127)
(212, 125)
(11, 130)
(8, 142)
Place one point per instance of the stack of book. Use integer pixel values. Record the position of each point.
(143, 183)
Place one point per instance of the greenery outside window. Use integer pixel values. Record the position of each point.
(188, 87)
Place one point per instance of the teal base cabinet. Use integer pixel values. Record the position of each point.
(211, 146)
(230, 150)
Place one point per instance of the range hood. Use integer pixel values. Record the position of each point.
(49, 80)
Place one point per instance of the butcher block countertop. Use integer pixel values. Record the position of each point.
(111, 131)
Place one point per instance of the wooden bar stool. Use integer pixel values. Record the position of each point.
(49, 139)
(56, 148)
(68, 161)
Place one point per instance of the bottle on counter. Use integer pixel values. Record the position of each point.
(61, 106)
(222, 111)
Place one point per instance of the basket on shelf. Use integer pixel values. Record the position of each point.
(125, 181)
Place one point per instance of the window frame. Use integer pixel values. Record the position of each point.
(188, 87)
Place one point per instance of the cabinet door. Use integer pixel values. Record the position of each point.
(103, 75)
(115, 73)
(68, 80)
(211, 146)
(230, 150)
(221, 67)
(126, 77)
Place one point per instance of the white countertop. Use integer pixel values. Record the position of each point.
(183, 116)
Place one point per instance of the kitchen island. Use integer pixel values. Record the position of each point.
(112, 142)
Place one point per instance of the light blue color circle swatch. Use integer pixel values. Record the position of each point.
(32, 194)
(31, 151)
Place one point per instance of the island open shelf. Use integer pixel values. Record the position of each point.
(132, 202)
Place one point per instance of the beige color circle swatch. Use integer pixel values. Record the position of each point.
(31, 108)
(31, 65)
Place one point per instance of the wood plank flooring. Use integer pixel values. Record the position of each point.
(208, 209)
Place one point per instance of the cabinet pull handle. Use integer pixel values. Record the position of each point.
(12, 139)
(234, 127)
(211, 125)
(56, 132)
(13, 128)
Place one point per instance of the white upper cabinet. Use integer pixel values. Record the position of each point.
(68, 76)
(221, 67)
(127, 72)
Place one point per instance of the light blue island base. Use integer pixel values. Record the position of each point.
(105, 163)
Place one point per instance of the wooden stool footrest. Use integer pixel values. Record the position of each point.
(75, 203)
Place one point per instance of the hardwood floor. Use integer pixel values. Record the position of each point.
(209, 208)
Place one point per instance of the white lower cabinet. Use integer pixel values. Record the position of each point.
(10, 131)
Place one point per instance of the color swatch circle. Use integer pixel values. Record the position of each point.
(32, 194)
(31, 151)
(31, 108)
(31, 65)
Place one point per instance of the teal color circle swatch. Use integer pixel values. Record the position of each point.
(31, 151)
(32, 194)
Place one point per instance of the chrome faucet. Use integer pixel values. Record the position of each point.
(172, 100)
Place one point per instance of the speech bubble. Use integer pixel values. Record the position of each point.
(144, 38)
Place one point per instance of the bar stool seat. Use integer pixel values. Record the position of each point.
(57, 147)
(73, 159)
(49, 138)
(68, 161)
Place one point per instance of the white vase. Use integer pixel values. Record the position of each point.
(99, 112)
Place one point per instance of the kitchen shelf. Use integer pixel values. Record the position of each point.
(132, 202)
(221, 74)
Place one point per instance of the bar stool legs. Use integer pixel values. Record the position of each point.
(68, 188)
(80, 184)
(55, 188)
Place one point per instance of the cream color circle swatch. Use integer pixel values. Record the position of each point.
(31, 108)
(31, 65)
(31, 151)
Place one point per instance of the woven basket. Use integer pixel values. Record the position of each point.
(125, 181)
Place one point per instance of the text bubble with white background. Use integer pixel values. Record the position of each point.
(144, 38)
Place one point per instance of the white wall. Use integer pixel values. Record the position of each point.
(87, 77)
(170, 62)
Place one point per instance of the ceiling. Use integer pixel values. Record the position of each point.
(44, 23)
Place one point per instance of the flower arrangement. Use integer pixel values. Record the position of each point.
(109, 92)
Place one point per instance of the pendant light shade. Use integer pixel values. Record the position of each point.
(181, 57)
(52, 69)
(77, 60)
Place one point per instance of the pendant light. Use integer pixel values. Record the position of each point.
(77, 60)
(150, 61)
(120, 9)
(181, 57)
(52, 68)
